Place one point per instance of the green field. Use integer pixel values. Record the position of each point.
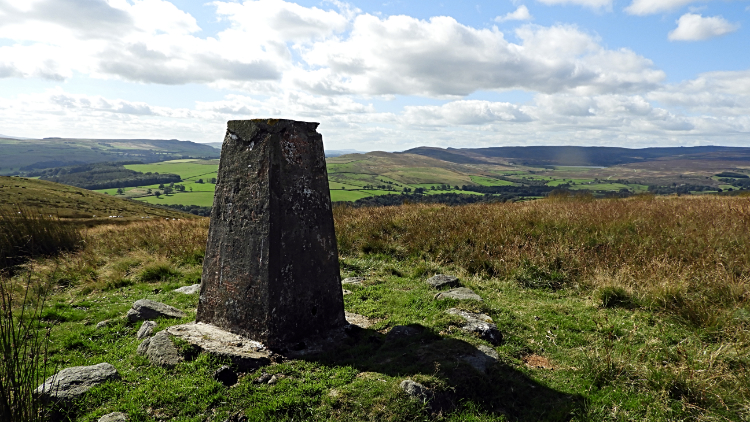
(202, 199)
(490, 181)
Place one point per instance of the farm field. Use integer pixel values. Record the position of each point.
(357, 176)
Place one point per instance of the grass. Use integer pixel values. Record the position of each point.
(627, 309)
(72, 203)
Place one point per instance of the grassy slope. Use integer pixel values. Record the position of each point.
(647, 317)
(69, 201)
(18, 153)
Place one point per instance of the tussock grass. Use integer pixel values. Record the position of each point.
(25, 233)
(690, 256)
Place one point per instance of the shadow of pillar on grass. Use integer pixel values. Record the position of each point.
(499, 390)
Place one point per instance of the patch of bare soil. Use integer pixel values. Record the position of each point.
(537, 362)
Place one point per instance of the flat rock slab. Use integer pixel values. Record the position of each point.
(461, 293)
(479, 324)
(358, 320)
(243, 352)
(160, 350)
(144, 309)
(146, 329)
(357, 281)
(189, 290)
(70, 383)
(114, 417)
(442, 280)
(482, 358)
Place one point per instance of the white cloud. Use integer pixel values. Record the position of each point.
(593, 4)
(465, 112)
(692, 27)
(440, 57)
(649, 7)
(520, 14)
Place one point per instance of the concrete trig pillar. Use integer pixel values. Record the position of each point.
(271, 270)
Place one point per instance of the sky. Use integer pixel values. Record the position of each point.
(381, 75)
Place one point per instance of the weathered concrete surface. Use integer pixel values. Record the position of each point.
(271, 268)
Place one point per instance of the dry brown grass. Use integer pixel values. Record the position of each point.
(689, 255)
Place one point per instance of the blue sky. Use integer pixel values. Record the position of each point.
(381, 75)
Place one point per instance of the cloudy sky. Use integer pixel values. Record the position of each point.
(381, 75)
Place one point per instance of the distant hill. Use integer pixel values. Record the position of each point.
(22, 155)
(578, 156)
(71, 202)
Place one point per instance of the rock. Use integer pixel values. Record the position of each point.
(226, 376)
(482, 358)
(189, 290)
(160, 350)
(244, 353)
(146, 329)
(416, 390)
(274, 379)
(70, 383)
(357, 281)
(236, 417)
(263, 378)
(102, 324)
(114, 417)
(271, 270)
(442, 280)
(461, 293)
(346, 292)
(400, 332)
(479, 324)
(144, 309)
(358, 320)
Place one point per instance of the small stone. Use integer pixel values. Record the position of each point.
(263, 378)
(274, 379)
(401, 332)
(146, 329)
(442, 280)
(160, 350)
(461, 293)
(236, 417)
(102, 324)
(346, 292)
(70, 383)
(482, 358)
(145, 309)
(479, 324)
(189, 290)
(357, 281)
(416, 390)
(226, 376)
(114, 417)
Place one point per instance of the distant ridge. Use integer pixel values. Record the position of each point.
(578, 156)
(20, 155)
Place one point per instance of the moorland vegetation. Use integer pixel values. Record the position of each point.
(611, 309)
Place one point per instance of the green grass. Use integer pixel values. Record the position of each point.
(71, 202)
(187, 169)
(489, 181)
(348, 195)
(629, 309)
(600, 186)
(203, 199)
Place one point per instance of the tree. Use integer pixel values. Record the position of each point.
(157, 194)
(199, 181)
(148, 192)
(168, 190)
(120, 191)
(161, 186)
(213, 180)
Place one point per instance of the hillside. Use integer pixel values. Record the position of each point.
(580, 156)
(18, 155)
(617, 309)
(71, 202)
